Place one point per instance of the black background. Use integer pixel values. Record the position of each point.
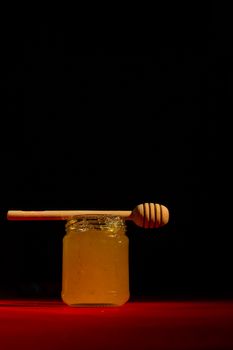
(107, 115)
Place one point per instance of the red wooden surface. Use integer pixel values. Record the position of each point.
(31, 324)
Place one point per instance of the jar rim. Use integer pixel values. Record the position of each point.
(97, 221)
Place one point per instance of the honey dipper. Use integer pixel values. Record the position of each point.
(146, 215)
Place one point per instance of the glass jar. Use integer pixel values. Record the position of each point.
(95, 267)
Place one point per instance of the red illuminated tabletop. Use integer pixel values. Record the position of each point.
(28, 324)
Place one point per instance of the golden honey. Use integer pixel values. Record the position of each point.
(95, 267)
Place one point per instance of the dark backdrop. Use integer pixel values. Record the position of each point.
(108, 116)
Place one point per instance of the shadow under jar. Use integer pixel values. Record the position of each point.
(95, 268)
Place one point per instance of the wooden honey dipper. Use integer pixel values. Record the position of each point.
(146, 215)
